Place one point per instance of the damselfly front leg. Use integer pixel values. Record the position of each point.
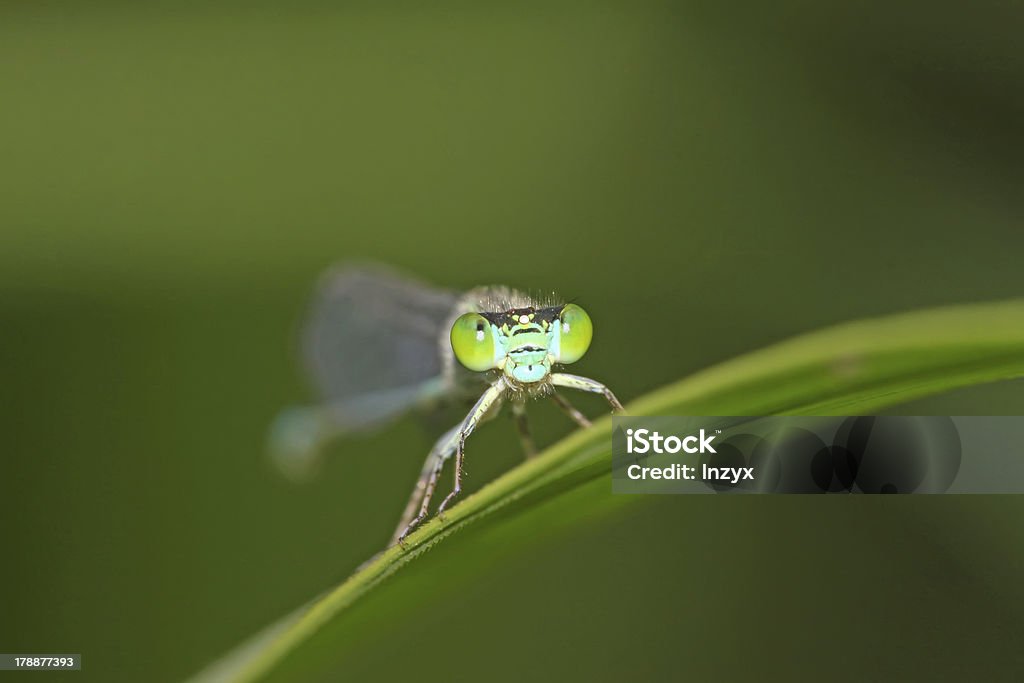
(426, 484)
(491, 400)
(562, 379)
(453, 440)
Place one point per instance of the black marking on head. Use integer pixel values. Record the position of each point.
(511, 317)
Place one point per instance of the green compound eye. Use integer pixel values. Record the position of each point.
(575, 334)
(473, 342)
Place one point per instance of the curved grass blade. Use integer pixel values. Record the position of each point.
(848, 369)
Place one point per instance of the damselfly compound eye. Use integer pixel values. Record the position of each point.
(473, 342)
(575, 333)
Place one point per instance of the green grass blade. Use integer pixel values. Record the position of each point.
(849, 369)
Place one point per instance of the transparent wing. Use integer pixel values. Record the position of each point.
(371, 345)
(373, 338)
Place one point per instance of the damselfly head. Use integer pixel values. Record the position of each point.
(522, 342)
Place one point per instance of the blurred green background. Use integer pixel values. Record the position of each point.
(705, 179)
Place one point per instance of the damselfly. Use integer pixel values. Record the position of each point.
(378, 344)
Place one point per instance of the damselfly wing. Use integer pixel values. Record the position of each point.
(373, 346)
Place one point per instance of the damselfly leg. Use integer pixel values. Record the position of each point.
(562, 379)
(489, 403)
(570, 410)
(426, 484)
(523, 428)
